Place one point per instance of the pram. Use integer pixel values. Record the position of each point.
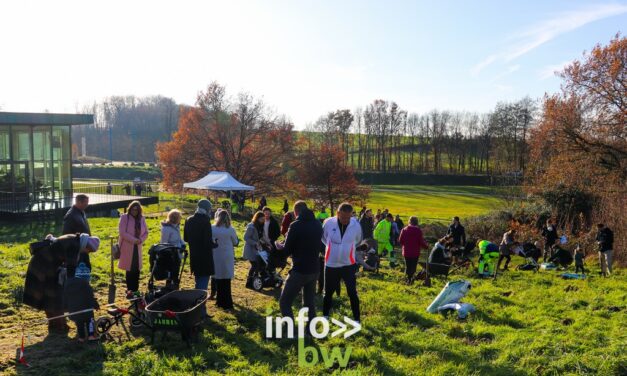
(165, 265)
(532, 254)
(270, 259)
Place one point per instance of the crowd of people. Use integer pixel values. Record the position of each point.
(326, 251)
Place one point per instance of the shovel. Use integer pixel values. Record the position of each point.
(112, 288)
(427, 281)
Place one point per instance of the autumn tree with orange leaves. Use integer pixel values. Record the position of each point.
(238, 135)
(581, 140)
(323, 176)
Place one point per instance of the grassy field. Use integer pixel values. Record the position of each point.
(525, 324)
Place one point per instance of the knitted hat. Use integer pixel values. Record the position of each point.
(204, 204)
(93, 243)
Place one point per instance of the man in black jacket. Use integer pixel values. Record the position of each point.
(302, 242)
(605, 241)
(367, 224)
(457, 231)
(75, 220)
(197, 233)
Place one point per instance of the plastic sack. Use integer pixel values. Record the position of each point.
(548, 266)
(451, 293)
(573, 276)
(463, 309)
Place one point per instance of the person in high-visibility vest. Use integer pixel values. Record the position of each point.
(488, 254)
(323, 215)
(382, 234)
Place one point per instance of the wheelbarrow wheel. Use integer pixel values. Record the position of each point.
(136, 322)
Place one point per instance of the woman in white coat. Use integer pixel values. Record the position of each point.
(224, 258)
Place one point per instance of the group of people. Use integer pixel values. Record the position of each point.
(326, 251)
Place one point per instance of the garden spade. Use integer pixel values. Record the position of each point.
(111, 298)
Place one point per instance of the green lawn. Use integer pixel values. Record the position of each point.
(525, 324)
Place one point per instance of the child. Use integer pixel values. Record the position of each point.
(78, 294)
(579, 256)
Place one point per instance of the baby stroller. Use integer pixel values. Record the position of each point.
(270, 259)
(165, 265)
(532, 254)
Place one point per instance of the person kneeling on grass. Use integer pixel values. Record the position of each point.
(488, 254)
(561, 257)
(77, 292)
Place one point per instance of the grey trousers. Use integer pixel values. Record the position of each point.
(605, 259)
(293, 285)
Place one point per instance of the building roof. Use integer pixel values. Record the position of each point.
(34, 118)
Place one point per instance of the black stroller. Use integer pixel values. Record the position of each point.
(165, 265)
(270, 259)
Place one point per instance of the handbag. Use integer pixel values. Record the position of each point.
(115, 251)
(115, 247)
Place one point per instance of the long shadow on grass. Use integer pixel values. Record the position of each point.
(24, 231)
(249, 322)
(506, 321)
(59, 355)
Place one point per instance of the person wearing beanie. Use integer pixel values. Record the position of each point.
(197, 233)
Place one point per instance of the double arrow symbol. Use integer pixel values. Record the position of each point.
(356, 327)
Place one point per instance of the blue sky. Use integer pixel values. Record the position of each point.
(304, 57)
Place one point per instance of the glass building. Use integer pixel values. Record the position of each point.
(36, 160)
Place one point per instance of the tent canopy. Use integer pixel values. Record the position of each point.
(219, 181)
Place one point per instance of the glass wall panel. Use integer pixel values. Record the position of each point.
(61, 147)
(41, 143)
(22, 178)
(6, 184)
(42, 173)
(21, 143)
(62, 178)
(5, 153)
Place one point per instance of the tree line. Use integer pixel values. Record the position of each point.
(380, 137)
(126, 128)
(383, 137)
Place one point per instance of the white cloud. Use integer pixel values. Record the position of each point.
(538, 34)
(511, 69)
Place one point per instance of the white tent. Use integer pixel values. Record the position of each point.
(219, 181)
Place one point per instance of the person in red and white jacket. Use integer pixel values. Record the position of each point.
(341, 236)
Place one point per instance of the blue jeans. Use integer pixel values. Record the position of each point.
(202, 282)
